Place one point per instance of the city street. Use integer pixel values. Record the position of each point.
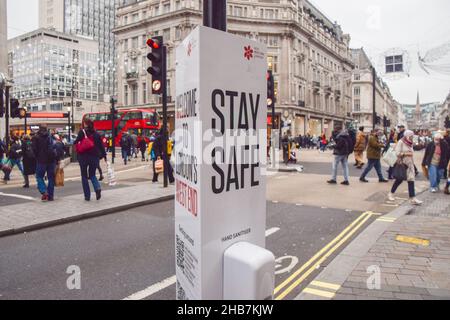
(130, 254)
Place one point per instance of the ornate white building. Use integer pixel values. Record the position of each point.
(307, 52)
(385, 105)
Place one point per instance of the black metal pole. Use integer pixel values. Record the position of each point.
(374, 92)
(164, 105)
(215, 14)
(70, 131)
(113, 129)
(25, 120)
(7, 117)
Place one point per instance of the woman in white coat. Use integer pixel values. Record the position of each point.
(405, 154)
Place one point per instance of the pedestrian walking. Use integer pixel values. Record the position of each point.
(374, 155)
(142, 144)
(134, 145)
(360, 147)
(285, 147)
(45, 155)
(15, 158)
(29, 160)
(89, 159)
(436, 160)
(125, 145)
(158, 149)
(342, 150)
(405, 154)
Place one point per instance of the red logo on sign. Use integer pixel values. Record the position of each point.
(189, 49)
(248, 52)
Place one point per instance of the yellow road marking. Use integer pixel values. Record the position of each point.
(326, 285)
(367, 215)
(320, 293)
(417, 241)
(318, 254)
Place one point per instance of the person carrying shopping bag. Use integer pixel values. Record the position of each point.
(404, 169)
(90, 150)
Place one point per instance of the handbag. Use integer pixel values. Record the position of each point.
(159, 166)
(425, 171)
(400, 172)
(59, 177)
(112, 181)
(85, 145)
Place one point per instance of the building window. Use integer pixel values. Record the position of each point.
(357, 91)
(125, 96)
(134, 43)
(272, 63)
(357, 77)
(357, 104)
(134, 93)
(144, 93)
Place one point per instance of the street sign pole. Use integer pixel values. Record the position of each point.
(215, 14)
(25, 123)
(113, 129)
(164, 106)
(374, 93)
(7, 137)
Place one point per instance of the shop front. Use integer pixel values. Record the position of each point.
(315, 127)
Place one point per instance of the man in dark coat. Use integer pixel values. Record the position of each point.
(158, 148)
(343, 148)
(45, 155)
(29, 160)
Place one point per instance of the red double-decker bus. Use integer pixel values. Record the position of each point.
(138, 121)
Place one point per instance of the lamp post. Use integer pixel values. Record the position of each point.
(68, 119)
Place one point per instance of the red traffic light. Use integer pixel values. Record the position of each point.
(153, 44)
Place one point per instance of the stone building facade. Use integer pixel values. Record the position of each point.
(362, 87)
(308, 54)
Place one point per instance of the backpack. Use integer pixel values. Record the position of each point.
(125, 142)
(51, 149)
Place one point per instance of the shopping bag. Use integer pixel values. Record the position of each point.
(64, 163)
(390, 157)
(5, 166)
(59, 177)
(159, 166)
(112, 181)
(425, 172)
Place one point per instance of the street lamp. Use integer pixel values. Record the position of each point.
(70, 136)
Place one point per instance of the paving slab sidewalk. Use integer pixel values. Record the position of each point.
(37, 215)
(377, 266)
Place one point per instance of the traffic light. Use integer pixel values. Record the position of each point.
(385, 122)
(447, 122)
(2, 104)
(156, 56)
(377, 119)
(270, 89)
(14, 105)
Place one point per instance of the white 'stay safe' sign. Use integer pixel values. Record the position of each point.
(220, 150)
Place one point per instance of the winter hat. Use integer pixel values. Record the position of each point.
(408, 133)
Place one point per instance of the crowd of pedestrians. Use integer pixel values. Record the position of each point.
(401, 144)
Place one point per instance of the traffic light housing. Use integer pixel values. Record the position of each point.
(447, 122)
(156, 56)
(270, 89)
(14, 107)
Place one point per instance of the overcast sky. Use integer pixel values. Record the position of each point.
(377, 25)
